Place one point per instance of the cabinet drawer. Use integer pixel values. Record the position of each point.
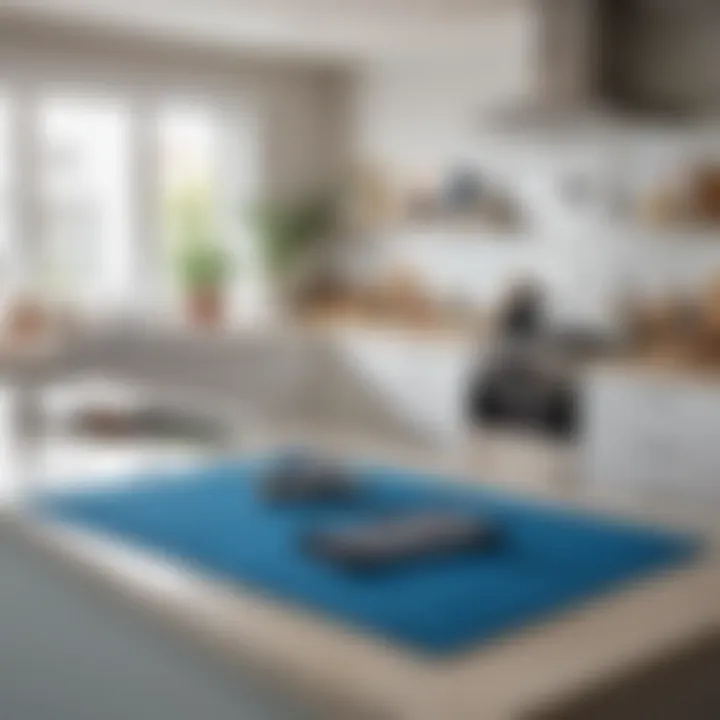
(653, 434)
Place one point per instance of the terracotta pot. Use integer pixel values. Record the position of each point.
(26, 319)
(206, 307)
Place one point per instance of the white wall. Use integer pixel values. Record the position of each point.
(428, 108)
(425, 116)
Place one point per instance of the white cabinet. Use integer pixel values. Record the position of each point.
(652, 433)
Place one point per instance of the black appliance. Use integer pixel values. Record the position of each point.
(530, 380)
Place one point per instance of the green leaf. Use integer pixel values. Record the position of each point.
(288, 230)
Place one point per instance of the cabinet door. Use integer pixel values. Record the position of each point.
(652, 435)
(608, 462)
(702, 429)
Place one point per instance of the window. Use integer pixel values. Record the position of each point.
(85, 245)
(208, 170)
(96, 241)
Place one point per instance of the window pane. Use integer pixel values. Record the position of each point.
(209, 175)
(189, 148)
(86, 250)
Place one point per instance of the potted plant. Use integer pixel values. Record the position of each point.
(203, 263)
(291, 233)
(204, 268)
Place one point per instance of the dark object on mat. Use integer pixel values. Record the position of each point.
(382, 543)
(298, 478)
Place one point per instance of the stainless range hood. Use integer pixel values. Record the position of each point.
(601, 65)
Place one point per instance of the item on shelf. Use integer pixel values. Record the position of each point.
(664, 207)
(462, 197)
(637, 323)
(502, 212)
(662, 326)
(706, 193)
(403, 296)
(462, 192)
(322, 291)
(709, 345)
(678, 328)
(690, 198)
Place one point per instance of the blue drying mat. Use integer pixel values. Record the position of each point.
(215, 520)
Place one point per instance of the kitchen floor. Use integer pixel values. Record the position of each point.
(121, 665)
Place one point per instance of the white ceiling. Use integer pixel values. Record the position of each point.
(336, 29)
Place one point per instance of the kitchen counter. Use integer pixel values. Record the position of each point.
(437, 326)
(643, 363)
